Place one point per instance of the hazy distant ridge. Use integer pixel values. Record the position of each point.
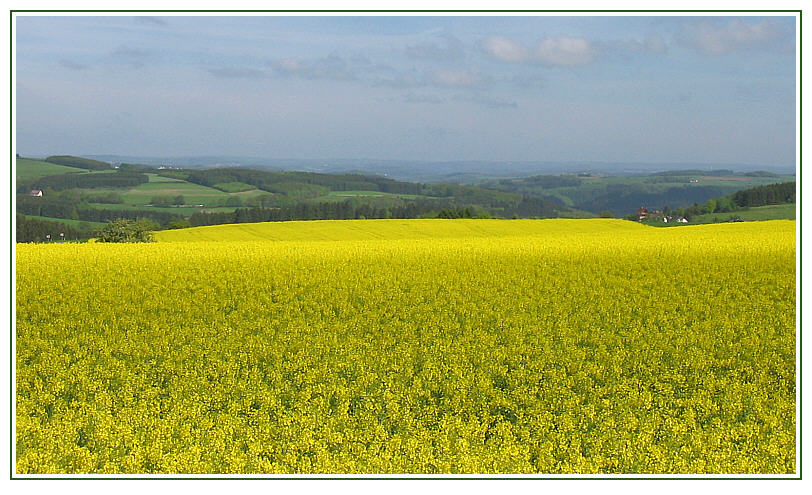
(428, 171)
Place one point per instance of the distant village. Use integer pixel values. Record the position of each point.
(645, 214)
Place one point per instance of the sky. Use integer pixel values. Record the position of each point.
(659, 89)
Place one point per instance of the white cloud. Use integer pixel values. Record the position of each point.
(562, 51)
(565, 51)
(737, 35)
(442, 78)
(505, 49)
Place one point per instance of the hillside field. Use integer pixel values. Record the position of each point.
(411, 346)
(72, 223)
(29, 168)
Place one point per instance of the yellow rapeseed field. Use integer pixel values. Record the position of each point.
(411, 346)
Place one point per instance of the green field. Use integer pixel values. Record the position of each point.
(234, 187)
(159, 178)
(72, 223)
(185, 210)
(29, 168)
(345, 195)
(758, 213)
(193, 194)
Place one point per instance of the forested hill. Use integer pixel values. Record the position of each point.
(755, 197)
(623, 195)
(772, 194)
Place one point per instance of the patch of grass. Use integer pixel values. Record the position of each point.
(29, 168)
(234, 187)
(72, 223)
(185, 210)
(160, 178)
(142, 194)
(344, 195)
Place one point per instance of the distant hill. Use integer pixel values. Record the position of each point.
(461, 171)
(176, 197)
(92, 190)
(623, 195)
(768, 202)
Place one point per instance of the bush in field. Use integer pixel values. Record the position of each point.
(179, 224)
(123, 230)
(167, 200)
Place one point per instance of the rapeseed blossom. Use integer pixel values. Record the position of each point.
(411, 346)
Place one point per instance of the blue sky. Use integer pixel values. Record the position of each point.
(502, 88)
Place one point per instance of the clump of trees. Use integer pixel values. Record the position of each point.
(164, 200)
(125, 230)
(111, 198)
(84, 181)
(36, 230)
(468, 212)
(771, 194)
(71, 205)
(179, 224)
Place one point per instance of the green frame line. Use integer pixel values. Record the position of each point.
(799, 374)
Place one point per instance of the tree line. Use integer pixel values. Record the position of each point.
(70, 207)
(75, 161)
(771, 194)
(36, 230)
(83, 181)
(345, 210)
(283, 182)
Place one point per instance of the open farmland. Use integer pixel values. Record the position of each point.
(411, 346)
(29, 168)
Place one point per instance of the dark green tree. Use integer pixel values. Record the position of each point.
(179, 224)
(124, 230)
